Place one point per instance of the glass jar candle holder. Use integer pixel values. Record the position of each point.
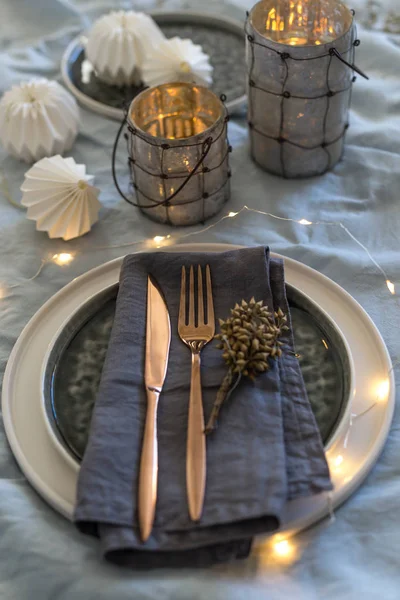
(300, 59)
(179, 153)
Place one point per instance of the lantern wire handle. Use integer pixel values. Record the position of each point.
(206, 147)
(334, 52)
(113, 157)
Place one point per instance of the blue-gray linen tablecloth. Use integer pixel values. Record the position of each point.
(356, 556)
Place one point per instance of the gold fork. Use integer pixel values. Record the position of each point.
(196, 337)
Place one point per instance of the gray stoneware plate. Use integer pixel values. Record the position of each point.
(221, 38)
(74, 367)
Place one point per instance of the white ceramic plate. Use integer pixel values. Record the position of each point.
(351, 453)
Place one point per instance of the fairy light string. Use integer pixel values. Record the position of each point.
(283, 546)
(5, 190)
(159, 241)
(35, 276)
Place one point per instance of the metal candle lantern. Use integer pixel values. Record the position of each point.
(178, 153)
(300, 57)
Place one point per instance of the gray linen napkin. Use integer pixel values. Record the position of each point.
(266, 450)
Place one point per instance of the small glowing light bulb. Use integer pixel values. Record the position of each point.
(383, 390)
(336, 463)
(305, 222)
(158, 239)
(282, 548)
(63, 258)
(338, 460)
(284, 551)
(390, 286)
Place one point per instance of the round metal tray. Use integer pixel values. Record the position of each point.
(221, 39)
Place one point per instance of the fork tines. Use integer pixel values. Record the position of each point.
(191, 321)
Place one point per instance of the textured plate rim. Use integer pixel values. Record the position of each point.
(117, 114)
(300, 514)
(67, 454)
(58, 446)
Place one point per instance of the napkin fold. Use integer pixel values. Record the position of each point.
(267, 449)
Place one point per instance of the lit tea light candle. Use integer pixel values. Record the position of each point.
(300, 55)
(179, 153)
(301, 22)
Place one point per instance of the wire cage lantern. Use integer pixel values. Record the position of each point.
(178, 153)
(300, 65)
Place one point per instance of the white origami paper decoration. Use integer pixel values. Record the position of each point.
(177, 59)
(118, 43)
(38, 118)
(60, 197)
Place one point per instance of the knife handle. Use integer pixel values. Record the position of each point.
(196, 444)
(149, 467)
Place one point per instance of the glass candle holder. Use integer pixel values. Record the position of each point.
(179, 153)
(300, 56)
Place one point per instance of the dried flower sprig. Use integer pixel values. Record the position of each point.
(248, 339)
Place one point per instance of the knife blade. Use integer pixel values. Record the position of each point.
(158, 339)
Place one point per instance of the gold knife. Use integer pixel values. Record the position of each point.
(158, 339)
